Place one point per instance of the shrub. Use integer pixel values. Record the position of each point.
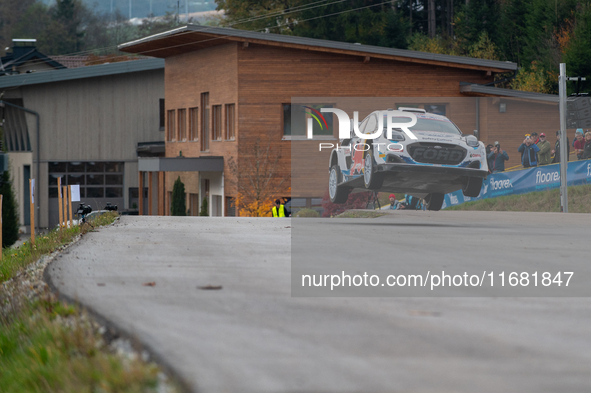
(179, 207)
(307, 213)
(204, 210)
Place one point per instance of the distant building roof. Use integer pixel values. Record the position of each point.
(71, 61)
(195, 37)
(81, 72)
(475, 89)
(83, 61)
(24, 51)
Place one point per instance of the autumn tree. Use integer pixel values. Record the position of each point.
(258, 178)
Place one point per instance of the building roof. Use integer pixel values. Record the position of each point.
(21, 55)
(474, 89)
(67, 74)
(194, 37)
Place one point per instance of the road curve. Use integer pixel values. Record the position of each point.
(252, 336)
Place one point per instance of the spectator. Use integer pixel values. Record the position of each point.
(579, 144)
(393, 202)
(279, 209)
(410, 202)
(489, 149)
(587, 148)
(534, 137)
(579, 130)
(556, 150)
(497, 157)
(545, 149)
(528, 152)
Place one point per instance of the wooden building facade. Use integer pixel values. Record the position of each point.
(228, 90)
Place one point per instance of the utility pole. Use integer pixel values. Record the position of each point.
(563, 140)
(431, 11)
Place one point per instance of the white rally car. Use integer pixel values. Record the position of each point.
(440, 160)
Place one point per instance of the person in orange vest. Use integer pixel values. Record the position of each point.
(278, 209)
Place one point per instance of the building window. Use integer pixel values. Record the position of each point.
(96, 179)
(162, 114)
(204, 122)
(170, 130)
(216, 132)
(193, 124)
(230, 207)
(182, 124)
(438, 109)
(230, 122)
(295, 118)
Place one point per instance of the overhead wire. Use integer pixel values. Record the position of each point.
(81, 53)
(300, 8)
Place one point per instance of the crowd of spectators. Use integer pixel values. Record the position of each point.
(537, 150)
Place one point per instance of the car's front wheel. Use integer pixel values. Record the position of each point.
(434, 201)
(337, 194)
(472, 187)
(371, 179)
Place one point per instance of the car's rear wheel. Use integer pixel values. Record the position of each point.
(472, 187)
(371, 178)
(337, 194)
(434, 201)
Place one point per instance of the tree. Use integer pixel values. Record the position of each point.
(10, 225)
(204, 210)
(178, 203)
(257, 179)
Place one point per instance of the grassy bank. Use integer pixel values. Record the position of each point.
(579, 201)
(49, 346)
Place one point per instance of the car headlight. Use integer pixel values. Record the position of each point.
(472, 141)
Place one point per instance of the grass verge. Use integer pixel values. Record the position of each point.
(360, 214)
(579, 201)
(49, 346)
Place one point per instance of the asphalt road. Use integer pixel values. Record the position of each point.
(253, 336)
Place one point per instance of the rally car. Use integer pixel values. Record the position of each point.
(440, 160)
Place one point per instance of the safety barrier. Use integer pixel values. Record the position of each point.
(527, 180)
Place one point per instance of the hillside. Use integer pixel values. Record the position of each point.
(579, 201)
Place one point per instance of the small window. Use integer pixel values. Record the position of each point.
(162, 114)
(182, 124)
(216, 132)
(204, 122)
(193, 124)
(170, 131)
(230, 122)
(295, 119)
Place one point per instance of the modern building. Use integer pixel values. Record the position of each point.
(87, 126)
(228, 90)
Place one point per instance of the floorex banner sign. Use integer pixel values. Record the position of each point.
(526, 180)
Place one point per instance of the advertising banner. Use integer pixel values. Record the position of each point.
(526, 180)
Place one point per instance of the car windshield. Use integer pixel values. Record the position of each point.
(437, 125)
